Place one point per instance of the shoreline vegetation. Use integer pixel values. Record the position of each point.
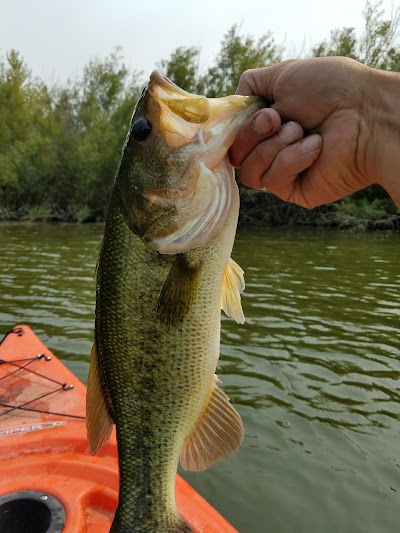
(60, 145)
(255, 212)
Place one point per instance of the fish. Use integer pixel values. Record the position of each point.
(164, 273)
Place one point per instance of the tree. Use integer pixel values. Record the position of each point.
(343, 42)
(15, 84)
(106, 98)
(182, 68)
(102, 87)
(60, 146)
(59, 149)
(378, 45)
(22, 101)
(237, 54)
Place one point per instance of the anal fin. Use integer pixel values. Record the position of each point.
(217, 433)
(99, 422)
(232, 286)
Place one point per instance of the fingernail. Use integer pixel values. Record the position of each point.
(263, 122)
(290, 132)
(312, 143)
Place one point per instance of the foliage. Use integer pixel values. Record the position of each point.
(378, 43)
(182, 68)
(343, 42)
(238, 53)
(363, 214)
(377, 46)
(60, 146)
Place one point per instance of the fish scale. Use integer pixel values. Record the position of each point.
(151, 384)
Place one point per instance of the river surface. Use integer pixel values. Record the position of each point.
(314, 372)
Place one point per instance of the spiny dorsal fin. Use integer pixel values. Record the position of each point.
(179, 292)
(232, 286)
(217, 434)
(99, 422)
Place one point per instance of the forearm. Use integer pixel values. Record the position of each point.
(384, 147)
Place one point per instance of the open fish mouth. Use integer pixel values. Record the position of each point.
(183, 118)
(183, 176)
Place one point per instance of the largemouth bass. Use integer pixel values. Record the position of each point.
(164, 272)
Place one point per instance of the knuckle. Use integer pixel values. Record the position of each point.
(247, 75)
(265, 153)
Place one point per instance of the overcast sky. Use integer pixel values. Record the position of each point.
(58, 37)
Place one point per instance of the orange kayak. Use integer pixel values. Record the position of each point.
(49, 481)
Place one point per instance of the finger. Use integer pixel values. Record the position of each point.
(281, 178)
(261, 81)
(260, 126)
(256, 164)
(248, 82)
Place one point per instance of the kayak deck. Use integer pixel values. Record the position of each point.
(43, 447)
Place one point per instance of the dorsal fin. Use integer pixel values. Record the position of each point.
(99, 422)
(232, 286)
(218, 432)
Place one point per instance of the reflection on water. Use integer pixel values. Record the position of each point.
(315, 371)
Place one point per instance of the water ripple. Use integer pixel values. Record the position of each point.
(314, 372)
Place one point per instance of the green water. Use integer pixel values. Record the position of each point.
(314, 372)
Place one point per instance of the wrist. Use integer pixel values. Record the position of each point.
(384, 129)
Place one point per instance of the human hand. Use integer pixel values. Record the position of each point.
(342, 106)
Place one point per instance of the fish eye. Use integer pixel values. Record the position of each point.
(141, 130)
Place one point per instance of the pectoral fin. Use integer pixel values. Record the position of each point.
(99, 422)
(232, 286)
(179, 291)
(217, 434)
